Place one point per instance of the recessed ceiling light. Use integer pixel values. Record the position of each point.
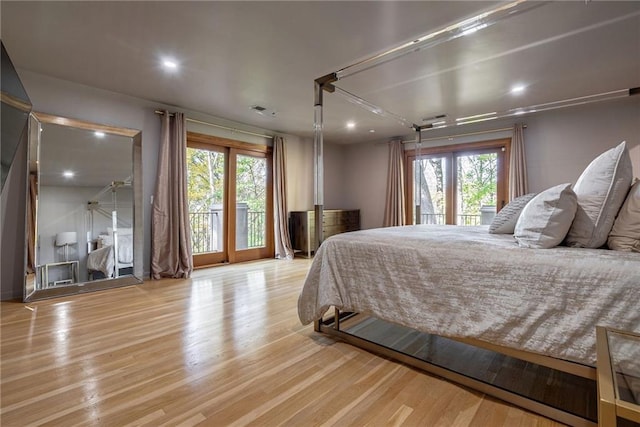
(517, 89)
(68, 174)
(351, 125)
(372, 130)
(170, 64)
(99, 134)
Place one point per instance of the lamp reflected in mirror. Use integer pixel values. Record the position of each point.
(65, 239)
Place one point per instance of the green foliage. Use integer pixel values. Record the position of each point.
(205, 180)
(477, 179)
(251, 182)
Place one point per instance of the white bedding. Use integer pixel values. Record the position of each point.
(464, 282)
(102, 259)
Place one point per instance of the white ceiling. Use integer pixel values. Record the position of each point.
(233, 55)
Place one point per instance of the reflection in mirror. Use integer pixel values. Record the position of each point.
(84, 235)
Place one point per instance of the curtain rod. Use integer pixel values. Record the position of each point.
(221, 126)
(460, 134)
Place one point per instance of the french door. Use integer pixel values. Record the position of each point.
(460, 184)
(230, 200)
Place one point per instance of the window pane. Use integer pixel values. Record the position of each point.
(251, 202)
(429, 186)
(205, 188)
(476, 189)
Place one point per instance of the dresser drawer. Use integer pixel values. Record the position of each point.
(334, 221)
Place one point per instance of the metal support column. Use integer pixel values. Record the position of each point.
(320, 85)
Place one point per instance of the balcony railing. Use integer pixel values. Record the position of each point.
(255, 229)
(468, 220)
(438, 219)
(202, 236)
(207, 231)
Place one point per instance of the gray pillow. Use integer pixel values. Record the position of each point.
(625, 234)
(545, 220)
(505, 221)
(601, 190)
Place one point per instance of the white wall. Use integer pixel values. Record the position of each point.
(559, 145)
(366, 181)
(67, 99)
(335, 165)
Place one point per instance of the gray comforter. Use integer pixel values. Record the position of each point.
(464, 282)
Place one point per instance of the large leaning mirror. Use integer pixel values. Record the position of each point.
(84, 221)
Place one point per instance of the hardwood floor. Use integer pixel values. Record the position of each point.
(222, 348)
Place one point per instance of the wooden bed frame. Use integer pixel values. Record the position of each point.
(332, 327)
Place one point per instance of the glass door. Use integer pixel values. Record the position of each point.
(252, 196)
(476, 187)
(230, 203)
(430, 195)
(206, 192)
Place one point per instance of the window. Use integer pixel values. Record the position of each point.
(462, 184)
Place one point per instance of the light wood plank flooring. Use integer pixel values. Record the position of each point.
(223, 348)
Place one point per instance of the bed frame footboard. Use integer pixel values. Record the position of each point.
(332, 327)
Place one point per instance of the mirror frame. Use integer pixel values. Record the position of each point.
(138, 234)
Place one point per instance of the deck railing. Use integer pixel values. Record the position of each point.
(255, 229)
(438, 219)
(468, 220)
(202, 236)
(207, 231)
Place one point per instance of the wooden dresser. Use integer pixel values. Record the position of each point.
(302, 226)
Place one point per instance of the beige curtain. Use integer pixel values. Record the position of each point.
(170, 229)
(517, 164)
(284, 250)
(394, 213)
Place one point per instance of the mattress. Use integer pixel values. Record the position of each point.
(464, 282)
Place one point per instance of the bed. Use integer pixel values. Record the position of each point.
(538, 305)
(534, 292)
(472, 284)
(113, 254)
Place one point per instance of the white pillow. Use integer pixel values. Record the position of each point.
(505, 220)
(625, 234)
(545, 220)
(601, 190)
